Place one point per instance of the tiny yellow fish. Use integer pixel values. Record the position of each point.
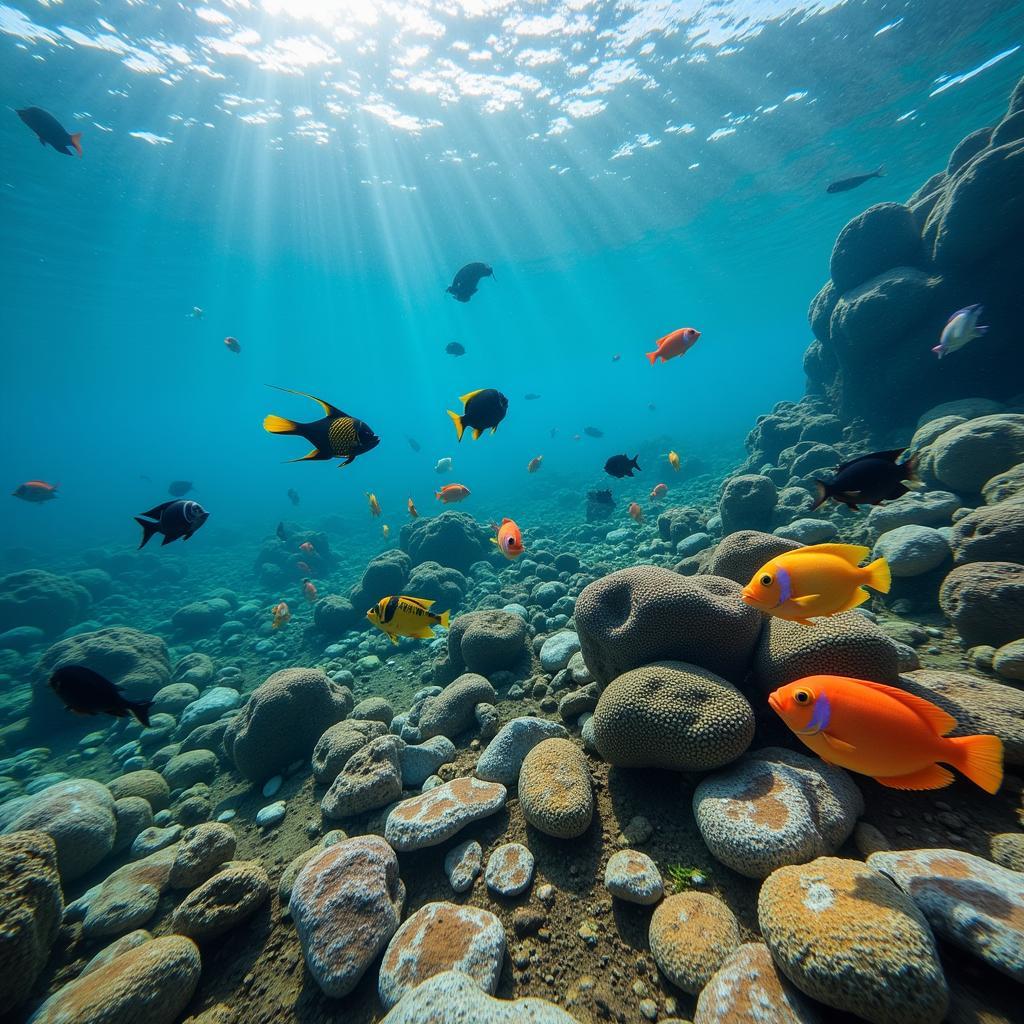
(673, 460)
(374, 504)
(822, 579)
(400, 615)
(386, 531)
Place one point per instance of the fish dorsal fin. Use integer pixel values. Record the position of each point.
(329, 410)
(505, 520)
(852, 553)
(469, 395)
(889, 456)
(420, 602)
(941, 721)
(155, 513)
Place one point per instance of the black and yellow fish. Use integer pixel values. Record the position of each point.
(400, 615)
(482, 410)
(336, 436)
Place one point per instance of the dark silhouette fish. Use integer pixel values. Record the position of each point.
(293, 496)
(453, 348)
(50, 131)
(593, 432)
(282, 533)
(413, 443)
(868, 480)
(621, 465)
(845, 184)
(531, 397)
(481, 410)
(173, 519)
(336, 435)
(464, 284)
(88, 693)
(179, 488)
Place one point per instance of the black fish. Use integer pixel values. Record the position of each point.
(337, 435)
(554, 430)
(651, 407)
(179, 488)
(88, 693)
(593, 432)
(600, 497)
(453, 348)
(531, 397)
(173, 519)
(50, 130)
(413, 443)
(845, 184)
(293, 496)
(282, 533)
(463, 286)
(481, 410)
(868, 480)
(621, 465)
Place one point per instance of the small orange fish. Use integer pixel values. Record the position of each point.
(374, 504)
(673, 460)
(450, 494)
(821, 579)
(385, 531)
(509, 539)
(232, 344)
(281, 614)
(659, 491)
(675, 344)
(887, 733)
(35, 491)
(636, 512)
(306, 546)
(412, 510)
(309, 589)
(534, 464)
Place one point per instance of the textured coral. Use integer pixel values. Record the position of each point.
(691, 934)
(223, 901)
(451, 538)
(645, 613)
(992, 533)
(846, 936)
(672, 715)
(451, 711)
(985, 602)
(741, 554)
(486, 641)
(145, 782)
(339, 743)
(555, 793)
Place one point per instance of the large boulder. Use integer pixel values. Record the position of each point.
(882, 237)
(451, 538)
(991, 533)
(335, 615)
(487, 641)
(384, 576)
(646, 613)
(912, 550)
(451, 711)
(441, 584)
(747, 503)
(966, 457)
(985, 602)
(738, 556)
(41, 599)
(339, 743)
(672, 715)
(282, 721)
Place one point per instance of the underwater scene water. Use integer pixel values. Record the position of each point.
(515, 511)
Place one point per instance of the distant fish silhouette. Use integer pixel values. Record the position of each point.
(464, 284)
(453, 348)
(845, 184)
(50, 131)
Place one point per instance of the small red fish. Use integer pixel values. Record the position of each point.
(281, 614)
(452, 493)
(232, 344)
(306, 546)
(534, 464)
(309, 589)
(675, 344)
(35, 491)
(659, 491)
(636, 512)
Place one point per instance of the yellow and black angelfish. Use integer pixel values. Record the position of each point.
(406, 616)
(481, 410)
(337, 435)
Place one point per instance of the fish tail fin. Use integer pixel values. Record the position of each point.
(148, 529)
(981, 760)
(880, 173)
(980, 329)
(279, 425)
(652, 357)
(76, 141)
(140, 709)
(635, 464)
(820, 494)
(445, 616)
(459, 425)
(879, 577)
(937, 349)
(913, 468)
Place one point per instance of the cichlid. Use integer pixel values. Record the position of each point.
(868, 480)
(173, 519)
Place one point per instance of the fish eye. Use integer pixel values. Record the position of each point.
(802, 697)
(766, 580)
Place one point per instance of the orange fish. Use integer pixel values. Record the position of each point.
(374, 504)
(35, 490)
(821, 579)
(232, 344)
(887, 733)
(412, 510)
(675, 344)
(534, 464)
(309, 589)
(660, 490)
(450, 494)
(508, 538)
(306, 546)
(281, 614)
(673, 460)
(636, 512)
(385, 531)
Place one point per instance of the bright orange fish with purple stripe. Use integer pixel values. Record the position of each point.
(895, 737)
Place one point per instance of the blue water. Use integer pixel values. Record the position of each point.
(313, 181)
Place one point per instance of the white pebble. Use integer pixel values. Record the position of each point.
(271, 815)
(271, 786)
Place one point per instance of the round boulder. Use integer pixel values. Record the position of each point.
(912, 550)
(883, 236)
(992, 533)
(747, 503)
(51, 603)
(451, 538)
(487, 641)
(985, 602)
(555, 792)
(691, 934)
(451, 711)
(968, 456)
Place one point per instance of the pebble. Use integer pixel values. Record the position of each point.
(271, 815)
(690, 936)
(509, 869)
(462, 864)
(272, 785)
(555, 792)
(440, 813)
(223, 902)
(227, 815)
(149, 840)
(632, 876)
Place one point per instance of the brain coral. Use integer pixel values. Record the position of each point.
(741, 554)
(645, 613)
(672, 715)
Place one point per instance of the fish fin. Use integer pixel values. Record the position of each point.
(312, 456)
(148, 529)
(445, 617)
(140, 709)
(889, 456)
(980, 329)
(494, 540)
(879, 576)
(880, 173)
(329, 410)
(494, 430)
(852, 553)
(941, 721)
(937, 349)
(476, 433)
(807, 599)
(76, 141)
(932, 777)
(420, 602)
(393, 638)
(154, 513)
(859, 596)
(820, 494)
(837, 744)
(469, 394)
(652, 357)
(279, 425)
(166, 540)
(981, 760)
(805, 622)
(459, 425)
